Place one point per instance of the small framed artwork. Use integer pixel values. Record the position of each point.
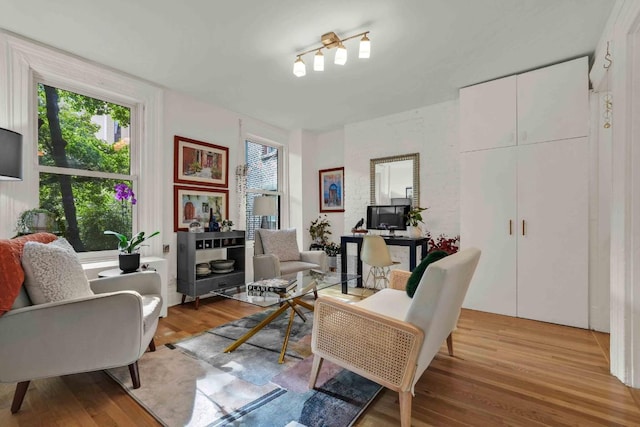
(408, 192)
(194, 204)
(331, 190)
(200, 163)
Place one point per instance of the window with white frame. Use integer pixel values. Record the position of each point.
(84, 156)
(94, 166)
(263, 179)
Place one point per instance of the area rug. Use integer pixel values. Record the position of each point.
(193, 383)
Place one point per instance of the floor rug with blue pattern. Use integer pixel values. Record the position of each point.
(194, 383)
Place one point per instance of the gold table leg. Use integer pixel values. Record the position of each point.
(289, 304)
(287, 334)
(256, 328)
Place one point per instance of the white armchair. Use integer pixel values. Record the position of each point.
(109, 329)
(389, 337)
(276, 253)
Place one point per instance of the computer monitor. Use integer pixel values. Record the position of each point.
(387, 217)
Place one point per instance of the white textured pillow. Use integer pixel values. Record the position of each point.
(281, 243)
(53, 272)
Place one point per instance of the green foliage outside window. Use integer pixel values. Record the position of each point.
(67, 139)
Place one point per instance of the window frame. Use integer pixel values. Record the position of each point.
(279, 193)
(134, 149)
(28, 63)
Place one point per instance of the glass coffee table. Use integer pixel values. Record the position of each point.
(298, 285)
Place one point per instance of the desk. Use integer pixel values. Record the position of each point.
(411, 242)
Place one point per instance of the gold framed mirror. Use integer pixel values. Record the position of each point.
(395, 178)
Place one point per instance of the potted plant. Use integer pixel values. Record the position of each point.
(332, 250)
(450, 245)
(226, 225)
(319, 230)
(129, 257)
(414, 218)
(34, 220)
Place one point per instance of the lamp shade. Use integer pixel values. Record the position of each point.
(318, 61)
(11, 155)
(341, 55)
(299, 69)
(365, 48)
(264, 206)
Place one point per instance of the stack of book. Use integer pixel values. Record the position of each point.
(274, 286)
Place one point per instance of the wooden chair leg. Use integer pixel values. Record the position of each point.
(152, 345)
(197, 302)
(405, 408)
(315, 370)
(450, 344)
(18, 396)
(184, 298)
(135, 375)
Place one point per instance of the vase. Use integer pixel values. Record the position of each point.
(333, 263)
(129, 263)
(415, 231)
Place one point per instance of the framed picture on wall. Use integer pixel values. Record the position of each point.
(331, 183)
(194, 204)
(200, 163)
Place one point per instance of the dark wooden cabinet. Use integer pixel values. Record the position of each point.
(194, 248)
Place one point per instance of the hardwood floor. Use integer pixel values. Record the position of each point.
(505, 371)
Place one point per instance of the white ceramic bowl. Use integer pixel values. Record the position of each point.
(222, 264)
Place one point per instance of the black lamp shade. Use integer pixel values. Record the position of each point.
(10, 155)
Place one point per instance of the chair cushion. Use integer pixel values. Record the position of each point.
(53, 272)
(151, 305)
(281, 243)
(387, 302)
(11, 273)
(416, 275)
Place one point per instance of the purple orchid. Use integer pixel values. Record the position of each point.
(124, 193)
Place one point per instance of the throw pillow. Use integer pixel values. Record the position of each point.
(11, 273)
(416, 275)
(281, 243)
(53, 272)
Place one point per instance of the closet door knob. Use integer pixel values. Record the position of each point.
(523, 229)
(510, 227)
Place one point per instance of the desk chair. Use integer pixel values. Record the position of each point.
(375, 253)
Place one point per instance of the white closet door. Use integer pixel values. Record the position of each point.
(488, 203)
(553, 252)
(488, 115)
(553, 102)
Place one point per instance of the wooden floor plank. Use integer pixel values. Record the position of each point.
(506, 371)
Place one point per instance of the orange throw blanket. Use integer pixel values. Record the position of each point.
(11, 273)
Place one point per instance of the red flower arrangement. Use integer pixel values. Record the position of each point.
(450, 245)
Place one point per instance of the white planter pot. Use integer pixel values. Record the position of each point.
(415, 232)
(333, 262)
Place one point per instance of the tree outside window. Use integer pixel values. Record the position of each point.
(83, 153)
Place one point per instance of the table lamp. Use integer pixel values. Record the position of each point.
(264, 206)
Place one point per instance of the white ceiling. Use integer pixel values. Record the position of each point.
(239, 54)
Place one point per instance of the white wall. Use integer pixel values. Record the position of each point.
(192, 118)
(322, 151)
(432, 132)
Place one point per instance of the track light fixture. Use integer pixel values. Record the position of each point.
(329, 41)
